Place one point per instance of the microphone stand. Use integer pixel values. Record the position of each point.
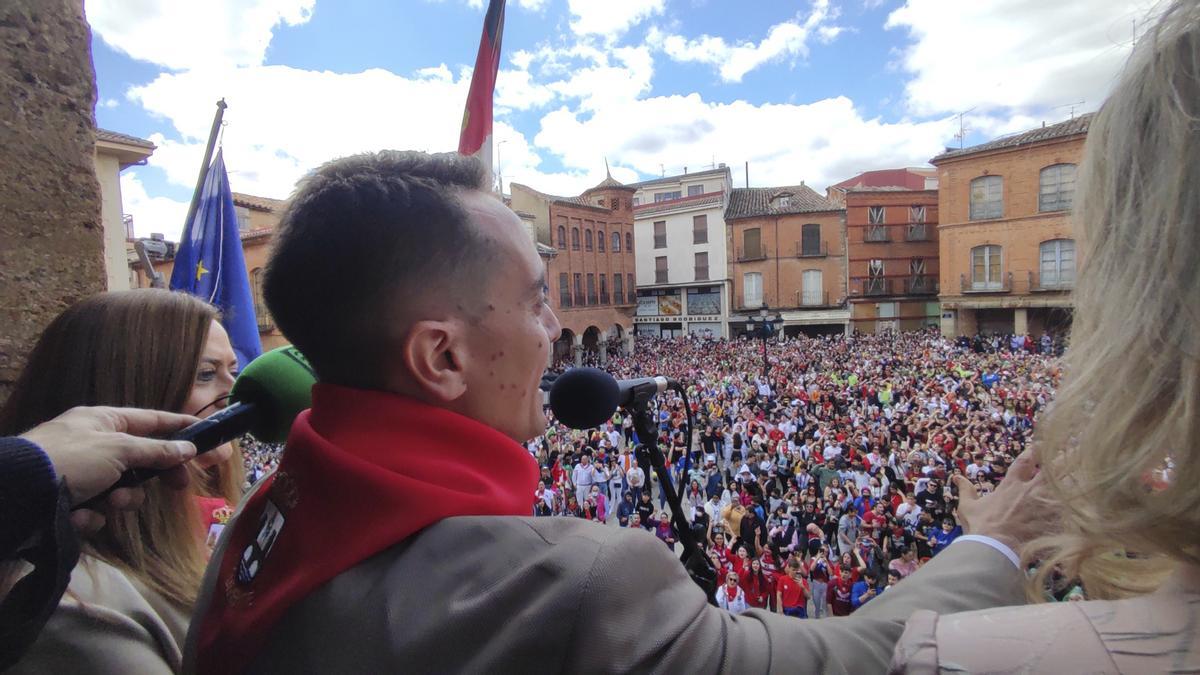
(694, 559)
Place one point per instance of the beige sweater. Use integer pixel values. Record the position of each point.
(108, 622)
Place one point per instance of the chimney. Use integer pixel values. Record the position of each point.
(721, 165)
(685, 170)
(158, 236)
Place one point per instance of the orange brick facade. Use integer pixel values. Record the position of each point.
(893, 262)
(594, 311)
(1023, 298)
(782, 262)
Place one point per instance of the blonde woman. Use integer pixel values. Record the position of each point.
(127, 606)
(1121, 444)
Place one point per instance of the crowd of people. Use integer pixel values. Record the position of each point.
(821, 484)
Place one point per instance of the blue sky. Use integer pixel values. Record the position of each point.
(812, 90)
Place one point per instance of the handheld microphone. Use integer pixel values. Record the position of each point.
(267, 396)
(584, 398)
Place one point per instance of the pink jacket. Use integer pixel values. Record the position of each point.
(1155, 633)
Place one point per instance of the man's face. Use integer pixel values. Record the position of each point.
(509, 342)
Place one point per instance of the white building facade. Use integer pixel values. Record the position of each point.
(680, 255)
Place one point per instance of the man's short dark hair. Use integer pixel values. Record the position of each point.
(360, 238)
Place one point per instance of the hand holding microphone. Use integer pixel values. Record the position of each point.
(267, 396)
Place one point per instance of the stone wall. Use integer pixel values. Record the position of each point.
(51, 238)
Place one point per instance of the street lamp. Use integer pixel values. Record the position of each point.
(764, 320)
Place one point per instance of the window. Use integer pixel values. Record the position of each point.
(694, 190)
(916, 224)
(600, 241)
(752, 291)
(618, 290)
(660, 269)
(637, 201)
(1057, 188)
(591, 288)
(664, 196)
(660, 234)
(564, 290)
(811, 292)
(243, 218)
(260, 307)
(782, 201)
(810, 239)
(604, 289)
(629, 243)
(752, 244)
(1058, 263)
(587, 240)
(985, 268)
(575, 238)
(918, 282)
(700, 229)
(579, 300)
(876, 231)
(701, 267)
(876, 283)
(562, 237)
(631, 289)
(616, 243)
(987, 198)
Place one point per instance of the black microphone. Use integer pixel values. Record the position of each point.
(585, 398)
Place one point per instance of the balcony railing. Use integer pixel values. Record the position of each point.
(701, 274)
(632, 297)
(565, 301)
(877, 286)
(1038, 284)
(921, 286)
(821, 250)
(660, 242)
(751, 255)
(604, 297)
(660, 276)
(754, 303)
(917, 232)
(1004, 285)
(812, 299)
(876, 234)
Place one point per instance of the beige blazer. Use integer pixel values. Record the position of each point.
(108, 622)
(1157, 633)
(533, 595)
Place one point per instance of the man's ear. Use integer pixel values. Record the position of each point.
(434, 353)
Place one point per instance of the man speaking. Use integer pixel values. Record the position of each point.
(397, 532)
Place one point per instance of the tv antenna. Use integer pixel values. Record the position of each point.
(1070, 106)
(963, 128)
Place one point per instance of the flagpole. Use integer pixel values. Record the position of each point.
(208, 151)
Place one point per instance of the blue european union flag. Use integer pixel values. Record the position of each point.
(209, 263)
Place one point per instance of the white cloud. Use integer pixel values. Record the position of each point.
(151, 214)
(108, 103)
(188, 35)
(686, 130)
(283, 121)
(611, 18)
(788, 39)
(1013, 54)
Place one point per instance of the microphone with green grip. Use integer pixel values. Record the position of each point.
(267, 396)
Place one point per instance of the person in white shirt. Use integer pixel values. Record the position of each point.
(731, 596)
(636, 479)
(583, 476)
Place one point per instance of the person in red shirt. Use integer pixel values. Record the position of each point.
(791, 592)
(841, 584)
(755, 584)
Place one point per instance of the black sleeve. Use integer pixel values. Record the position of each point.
(34, 526)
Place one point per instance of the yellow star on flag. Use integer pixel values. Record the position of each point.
(200, 271)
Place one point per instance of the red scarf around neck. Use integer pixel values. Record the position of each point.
(362, 471)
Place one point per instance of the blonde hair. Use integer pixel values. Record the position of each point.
(1130, 404)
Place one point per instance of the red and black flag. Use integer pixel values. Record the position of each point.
(476, 136)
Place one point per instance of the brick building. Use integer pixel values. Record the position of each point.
(1007, 257)
(587, 244)
(908, 178)
(679, 239)
(257, 219)
(787, 250)
(892, 251)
